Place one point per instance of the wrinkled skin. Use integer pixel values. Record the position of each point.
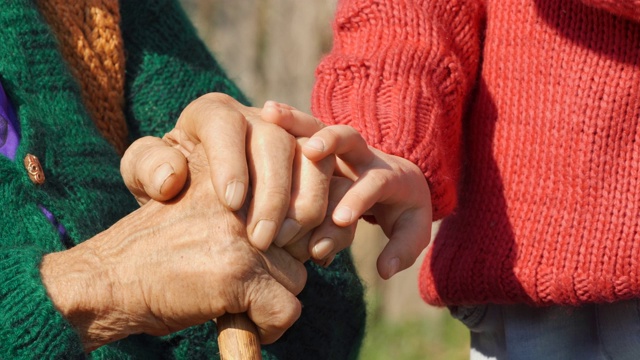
(168, 266)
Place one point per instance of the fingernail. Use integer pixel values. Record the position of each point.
(161, 175)
(394, 266)
(315, 144)
(322, 248)
(233, 195)
(288, 231)
(343, 214)
(263, 234)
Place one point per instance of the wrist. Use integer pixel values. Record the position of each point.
(83, 292)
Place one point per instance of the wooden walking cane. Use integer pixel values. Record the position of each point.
(238, 338)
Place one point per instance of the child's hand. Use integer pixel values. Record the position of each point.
(390, 188)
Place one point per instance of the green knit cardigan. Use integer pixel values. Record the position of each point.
(167, 67)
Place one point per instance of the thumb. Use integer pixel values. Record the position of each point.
(410, 235)
(151, 169)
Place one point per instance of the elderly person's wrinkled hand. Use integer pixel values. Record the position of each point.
(290, 194)
(168, 266)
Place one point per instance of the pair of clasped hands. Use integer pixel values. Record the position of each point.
(233, 200)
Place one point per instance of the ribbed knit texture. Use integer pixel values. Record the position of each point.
(167, 68)
(548, 147)
(89, 35)
(25, 305)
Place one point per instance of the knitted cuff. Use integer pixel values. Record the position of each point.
(31, 326)
(400, 112)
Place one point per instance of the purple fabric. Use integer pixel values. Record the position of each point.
(9, 127)
(61, 230)
(9, 142)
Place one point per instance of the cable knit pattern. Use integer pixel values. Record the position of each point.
(393, 62)
(548, 203)
(89, 35)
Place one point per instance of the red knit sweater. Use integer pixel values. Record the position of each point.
(524, 116)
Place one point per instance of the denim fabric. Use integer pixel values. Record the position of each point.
(520, 332)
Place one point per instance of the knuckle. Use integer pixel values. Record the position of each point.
(276, 200)
(330, 133)
(286, 314)
(256, 286)
(311, 212)
(343, 237)
(133, 151)
(298, 250)
(271, 137)
(281, 134)
(216, 97)
(214, 107)
(377, 179)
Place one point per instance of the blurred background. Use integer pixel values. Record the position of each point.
(271, 48)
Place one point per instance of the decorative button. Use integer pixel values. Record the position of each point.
(34, 169)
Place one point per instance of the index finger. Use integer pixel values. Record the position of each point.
(216, 121)
(345, 142)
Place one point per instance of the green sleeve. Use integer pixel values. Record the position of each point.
(30, 325)
(167, 66)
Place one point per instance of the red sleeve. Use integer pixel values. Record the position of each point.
(401, 72)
